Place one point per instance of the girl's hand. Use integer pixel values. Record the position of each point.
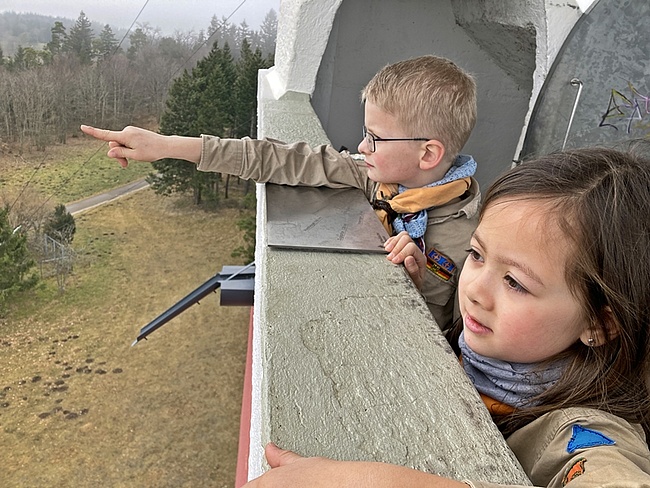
(290, 470)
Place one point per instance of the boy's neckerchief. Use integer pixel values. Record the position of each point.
(401, 208)
(511, 383)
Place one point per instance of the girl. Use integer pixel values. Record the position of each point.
(555, 335)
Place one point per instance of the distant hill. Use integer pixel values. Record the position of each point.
(34, 30)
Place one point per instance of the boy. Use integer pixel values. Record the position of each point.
(418, 115)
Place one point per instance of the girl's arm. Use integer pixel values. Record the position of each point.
(290, 470)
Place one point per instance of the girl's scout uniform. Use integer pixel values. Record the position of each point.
(449, 224)
(580, 448)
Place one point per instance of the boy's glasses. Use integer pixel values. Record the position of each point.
(371, 139)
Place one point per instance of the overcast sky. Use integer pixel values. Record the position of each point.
(168, 15)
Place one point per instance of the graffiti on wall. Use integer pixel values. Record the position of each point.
(622, 111)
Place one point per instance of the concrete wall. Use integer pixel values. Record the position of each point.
(504, 44)
(368, 35)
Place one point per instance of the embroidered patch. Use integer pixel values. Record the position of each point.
(574, 471)
(583, 437)
(440, 265)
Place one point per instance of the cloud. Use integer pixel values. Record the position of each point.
(168, 15)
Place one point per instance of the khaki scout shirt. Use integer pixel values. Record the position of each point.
(267, 161)
(581, 448)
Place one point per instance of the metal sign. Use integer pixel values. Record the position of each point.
(324, 219)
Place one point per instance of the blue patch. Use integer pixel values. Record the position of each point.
(583, 438)
(440, 265)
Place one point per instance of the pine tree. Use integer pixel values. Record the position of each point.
(19, 62)
(106, 44)
(80, 40)
(59, 38)
(216, 75)
(173, 175)
(242, 33)
(60, 225)
(217, 97)
(215, 27)
(245, 90)
(269, 33)
(137, 40)
(15, 261)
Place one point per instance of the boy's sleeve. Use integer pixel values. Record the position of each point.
(269, 161)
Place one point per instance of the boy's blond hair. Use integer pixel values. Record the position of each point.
(430, 96)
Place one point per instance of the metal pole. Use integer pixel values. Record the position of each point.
(578, 83)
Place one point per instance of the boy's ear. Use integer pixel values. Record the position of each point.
(600, 335)
(434, 152)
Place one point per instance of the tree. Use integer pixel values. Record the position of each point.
(15, 262)
(172, 175)
(60, 225)
(106, 44)
(59, 38)
(242, 32)
(137, 41)
(269, 33)
(80, 40)
(246, 90)
(216, 75)
(200, 102)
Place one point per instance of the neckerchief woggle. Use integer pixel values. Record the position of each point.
(400, 208)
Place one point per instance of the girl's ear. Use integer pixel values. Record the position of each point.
(434, 152)
(600, 335)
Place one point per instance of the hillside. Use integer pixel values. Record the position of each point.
(34, 30)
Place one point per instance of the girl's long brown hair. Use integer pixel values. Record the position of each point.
(601, 199)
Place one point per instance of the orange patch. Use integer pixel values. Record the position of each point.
(574, 471)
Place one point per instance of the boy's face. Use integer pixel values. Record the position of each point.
(392, 161)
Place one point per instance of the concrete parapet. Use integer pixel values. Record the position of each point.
(347, 360)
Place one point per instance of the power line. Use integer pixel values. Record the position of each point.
(203, 44)
(87, 160)
(131, 26)
(183, 63)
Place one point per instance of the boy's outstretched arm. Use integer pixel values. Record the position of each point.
(402, 249)
(144, 145)
(290, 470)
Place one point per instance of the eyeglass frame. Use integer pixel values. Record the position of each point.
(372, 139)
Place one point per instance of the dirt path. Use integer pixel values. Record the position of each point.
(91, 202)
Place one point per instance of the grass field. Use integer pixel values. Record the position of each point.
(66, 173)
(78, 405)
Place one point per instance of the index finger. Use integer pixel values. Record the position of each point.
(101, 134)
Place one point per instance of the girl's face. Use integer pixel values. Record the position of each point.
(515, 303)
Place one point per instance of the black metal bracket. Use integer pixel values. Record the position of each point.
(237, 285)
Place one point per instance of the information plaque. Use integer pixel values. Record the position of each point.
(323, 219)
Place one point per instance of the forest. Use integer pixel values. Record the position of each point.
(80, 76)
(186, 84)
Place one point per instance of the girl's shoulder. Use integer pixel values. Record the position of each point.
(564, 444)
